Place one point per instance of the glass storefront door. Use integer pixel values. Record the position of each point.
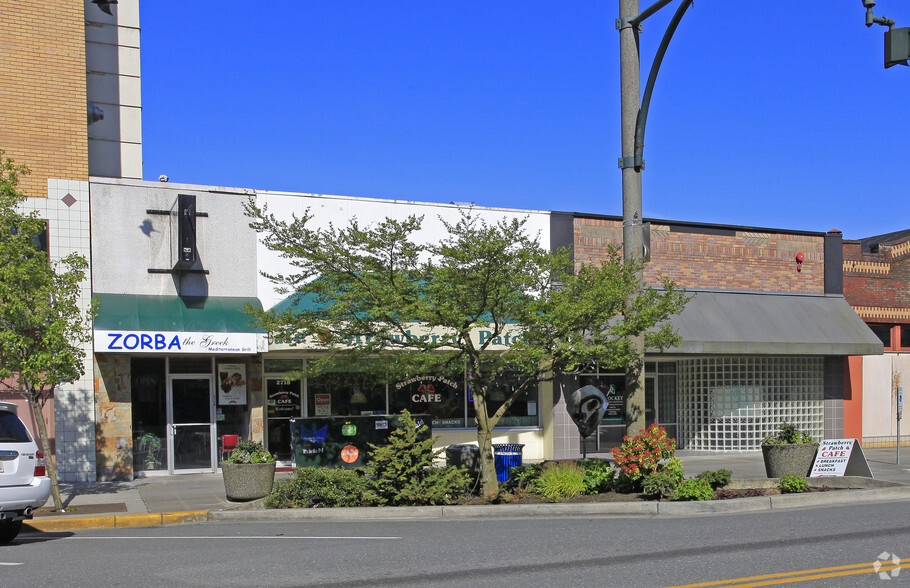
(191, 418)
(283, 398)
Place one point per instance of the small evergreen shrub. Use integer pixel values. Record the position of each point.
(560, 481)
(664, 481)
(324, 487)
(659, 484)
(623, 484)
(694, 489)
(673, 467)
(791, 484)
(598, 476)
(525, 476)
(716, 478)
(403, 472)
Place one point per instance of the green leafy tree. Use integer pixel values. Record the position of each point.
(42, 327)
(377, 284)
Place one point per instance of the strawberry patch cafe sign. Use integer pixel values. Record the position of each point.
(417, 333)
(840, 457)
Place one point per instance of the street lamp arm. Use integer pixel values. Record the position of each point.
(871, 19)
(642, 119)
(639, 18)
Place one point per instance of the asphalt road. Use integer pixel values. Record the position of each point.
(811, 547)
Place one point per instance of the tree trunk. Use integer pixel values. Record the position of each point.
(490, 487)
(43, 439)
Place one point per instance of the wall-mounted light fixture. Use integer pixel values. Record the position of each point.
(105, 5)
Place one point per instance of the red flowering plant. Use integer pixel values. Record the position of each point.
(641, 455)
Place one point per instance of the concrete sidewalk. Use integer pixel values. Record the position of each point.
(200, 497)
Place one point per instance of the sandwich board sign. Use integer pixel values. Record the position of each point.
(840, 457)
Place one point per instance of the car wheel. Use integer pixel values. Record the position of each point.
(9, 530)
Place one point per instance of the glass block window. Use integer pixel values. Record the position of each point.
(732, 403)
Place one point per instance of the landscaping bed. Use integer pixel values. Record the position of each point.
(720, 494)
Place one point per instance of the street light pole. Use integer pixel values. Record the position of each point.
(634, 113)
(630, 97)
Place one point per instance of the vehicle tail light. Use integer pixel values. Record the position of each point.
(40, 468)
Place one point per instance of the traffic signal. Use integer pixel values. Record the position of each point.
(897, 46)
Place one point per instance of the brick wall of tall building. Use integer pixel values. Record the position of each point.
(716, 258)
(877, 284)
(42, 90)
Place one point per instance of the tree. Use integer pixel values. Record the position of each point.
(41, 326)
(377, 283)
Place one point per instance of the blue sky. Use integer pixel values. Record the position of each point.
(766, 113)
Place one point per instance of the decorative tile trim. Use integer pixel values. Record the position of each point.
(866, 267)
(756, 238)
(873, 312)
(660, 231)
(900, 249)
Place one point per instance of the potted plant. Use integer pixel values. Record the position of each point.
(789, 451)
(150, 451)
(249, 472)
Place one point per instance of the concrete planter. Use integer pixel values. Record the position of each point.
(247, 481)
(795, 459)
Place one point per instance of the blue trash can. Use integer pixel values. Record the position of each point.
(505, 457)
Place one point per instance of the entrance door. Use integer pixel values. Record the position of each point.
(191, 424)
(660, 402)
(651, 405)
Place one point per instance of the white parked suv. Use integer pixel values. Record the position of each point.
(24, 485)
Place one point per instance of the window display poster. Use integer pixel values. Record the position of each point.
(232, 384)
(323, 404)
(614, 389)
(283, 398)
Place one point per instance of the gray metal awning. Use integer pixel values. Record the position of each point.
(772, 324)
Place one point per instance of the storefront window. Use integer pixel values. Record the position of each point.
(441, 397)
(612, 427)
(281, 366)
(613, 387)
(344, 394)
(522, 413)
(883, 332)
(149, 413)
(905, 336)
(190, 365)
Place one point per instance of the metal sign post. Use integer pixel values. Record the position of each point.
(900, 410)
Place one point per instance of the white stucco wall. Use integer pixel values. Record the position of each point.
(339, 210)
(113, 84)
(879, 402)
(127, 240)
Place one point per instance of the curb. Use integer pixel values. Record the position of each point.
(618, 509)
(115, 521)
(466, 512)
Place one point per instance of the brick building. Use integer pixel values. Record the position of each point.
(70, 109)
(877, 285)
(766, 334)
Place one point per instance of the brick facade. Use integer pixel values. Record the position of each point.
(877, 286)
(43, 90)
(713, 258)
(877, 283)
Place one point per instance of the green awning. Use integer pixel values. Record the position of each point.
(209, 314)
